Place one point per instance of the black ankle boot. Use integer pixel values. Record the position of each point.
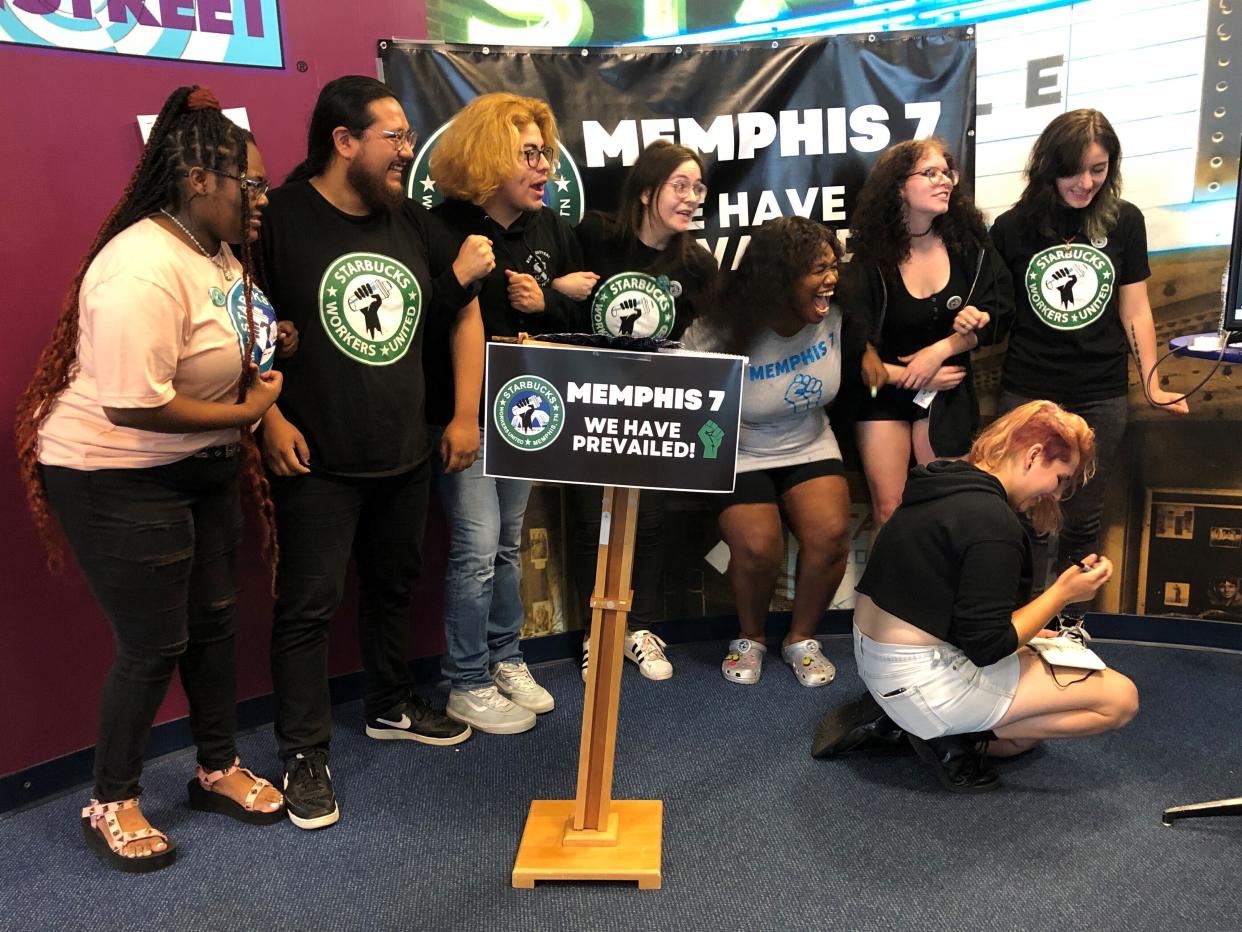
(958, 762)
(860, 725)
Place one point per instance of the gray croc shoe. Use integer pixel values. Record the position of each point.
(809, 664)
(744, 662)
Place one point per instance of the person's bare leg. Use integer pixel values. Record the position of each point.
(753, 533)
(819, 516)
(885, 450)
(1044, 708)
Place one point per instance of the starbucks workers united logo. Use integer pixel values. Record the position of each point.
(1069, 286)
(528, 412)
(370, 306)
(633, 304)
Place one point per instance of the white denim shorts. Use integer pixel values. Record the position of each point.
(934, 691)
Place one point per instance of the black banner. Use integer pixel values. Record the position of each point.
(787, 127)
(610, 417)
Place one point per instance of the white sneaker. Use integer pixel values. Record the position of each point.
(487, 710)
(514, 680)
(647, 650)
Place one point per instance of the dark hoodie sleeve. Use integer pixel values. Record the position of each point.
(986, 597)
(562, 313)
(994, 294)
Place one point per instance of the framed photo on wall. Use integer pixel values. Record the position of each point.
(1191, 559)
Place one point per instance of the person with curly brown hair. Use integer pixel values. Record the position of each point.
(776, 308)
(933, 289)
(130, 434)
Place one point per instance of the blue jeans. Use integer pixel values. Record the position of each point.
(483, 611)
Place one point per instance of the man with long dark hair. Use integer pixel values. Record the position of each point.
(356, 265)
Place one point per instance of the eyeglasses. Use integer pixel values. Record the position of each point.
(400, 139)
(687, 191)
(935, 175)
(252, 186)
(532, 154)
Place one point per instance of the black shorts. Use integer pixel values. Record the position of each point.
(890, 404)
(767, 486)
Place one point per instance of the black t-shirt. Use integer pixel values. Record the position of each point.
(1068, 343)
(953, 560)
(359, 290)
(641, 292)
(539, 243)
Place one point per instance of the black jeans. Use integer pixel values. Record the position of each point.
(322, 520)
(648, 571)
(1081, 512)
(157, 548)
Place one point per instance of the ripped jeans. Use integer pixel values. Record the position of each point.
(483, 611)
(157, 548)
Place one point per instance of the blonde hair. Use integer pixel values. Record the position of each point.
(477, 151)
(1059, 432)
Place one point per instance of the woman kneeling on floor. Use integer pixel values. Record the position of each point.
(940, 624)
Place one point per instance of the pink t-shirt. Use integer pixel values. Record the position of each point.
(153, 323)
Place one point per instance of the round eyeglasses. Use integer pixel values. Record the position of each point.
(252, 186)
(687, 191)
(935, 175)
(533, 153)
(400, 139)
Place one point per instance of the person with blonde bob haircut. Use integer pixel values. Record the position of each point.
(942, 617)
(493, 164)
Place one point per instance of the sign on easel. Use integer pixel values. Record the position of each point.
(592, 416)
(625, 421)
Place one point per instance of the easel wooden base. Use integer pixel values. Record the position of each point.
(548, 853)
(594, 837)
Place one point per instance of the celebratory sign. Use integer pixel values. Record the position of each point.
(610, 417)
(226, 32)
(786, 127)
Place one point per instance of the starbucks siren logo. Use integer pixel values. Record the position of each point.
(633, 304)
(264, 323)
(528, 412)
(370, 306)
(1069, 286)
(563, 192)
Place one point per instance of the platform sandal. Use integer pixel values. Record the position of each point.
(205, 799)
(103, 832)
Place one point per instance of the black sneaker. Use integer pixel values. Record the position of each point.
(309, 799)
(414, 720)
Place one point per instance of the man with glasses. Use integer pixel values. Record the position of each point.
(493, 164)
(360, 269)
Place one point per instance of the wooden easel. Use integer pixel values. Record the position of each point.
(594, 837)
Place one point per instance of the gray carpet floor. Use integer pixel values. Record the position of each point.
(757, 835)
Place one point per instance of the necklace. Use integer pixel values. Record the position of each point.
(217, 260)
(924, 233)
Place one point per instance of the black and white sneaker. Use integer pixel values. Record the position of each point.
(309, 799)
(414, 720)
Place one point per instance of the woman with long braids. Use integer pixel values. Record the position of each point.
(130, 436)
(776, 308)
(1078, 256)
(933, 288)
(648, 279)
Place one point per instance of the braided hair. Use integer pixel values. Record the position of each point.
(190, 131)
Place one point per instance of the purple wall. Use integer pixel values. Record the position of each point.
(72, 143)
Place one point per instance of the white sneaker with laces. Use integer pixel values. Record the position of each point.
(487, 710)
(647, 650)
(514, 681)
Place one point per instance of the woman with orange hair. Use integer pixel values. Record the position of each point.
(942, 613)
(129, 435)
(494, 163)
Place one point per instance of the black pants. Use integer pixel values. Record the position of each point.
(157, 549)
(322, 520)
(647, 581)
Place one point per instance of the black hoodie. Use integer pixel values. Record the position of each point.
(953, 560)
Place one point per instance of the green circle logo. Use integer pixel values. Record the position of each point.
(633, 304)
(564, 192)
(1069, 286)
(370, 306)
(528, 412)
